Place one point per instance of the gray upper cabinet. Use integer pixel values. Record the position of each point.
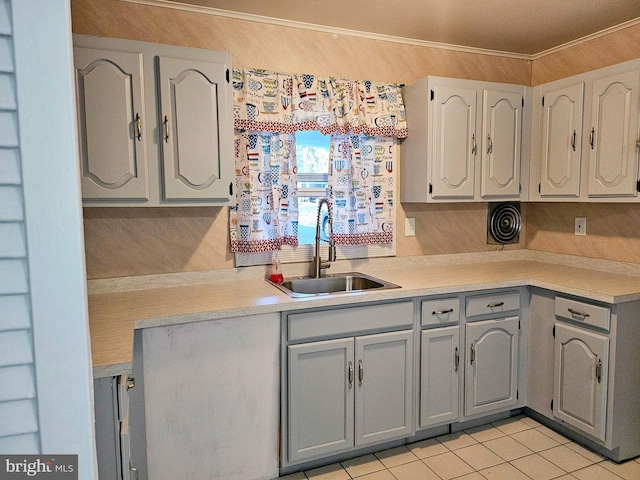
(561, 141)
(613, 159)
(113, 150)
(584, 137)
(155, 124)
(466, 141)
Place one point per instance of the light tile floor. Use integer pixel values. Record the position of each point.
(515, 449)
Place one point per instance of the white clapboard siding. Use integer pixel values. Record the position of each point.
(18, 401)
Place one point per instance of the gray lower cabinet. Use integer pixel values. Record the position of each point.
(348, 392)
(111, 409)
(585, 373)
(491, 374)
(580, 379)
(439, 373)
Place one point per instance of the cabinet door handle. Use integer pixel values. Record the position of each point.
(442, 312)
(473, 354)
(599, 370)
(495, 304)
(350, 374)
(456, 360)
(138, 127)
(592, 137)
(474, 149)
(166, 129)
(490, 147)
(131, 383)
(360, 373)
(577, 313)
(573, 141)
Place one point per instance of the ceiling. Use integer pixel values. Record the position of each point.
(526, 27)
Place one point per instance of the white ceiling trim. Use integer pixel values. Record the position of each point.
(322, 28)
(375, 36)
(601, 33)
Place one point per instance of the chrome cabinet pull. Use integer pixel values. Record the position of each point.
(360, 373)
(166, 129)
(138, 127)
(134, 471)
(442, 312)
(495, 304)
(573, 141)
(599, 370)
(592, 137)
(577, 313)
(490, 147)
(456, 361)
(474, 149)
(350, 374)
(473, 354)
(131, 383)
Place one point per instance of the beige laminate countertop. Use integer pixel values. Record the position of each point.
(114, 316)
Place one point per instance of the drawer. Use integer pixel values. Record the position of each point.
(582, 312)
(493, 303)
(342, 321)
(440, 311)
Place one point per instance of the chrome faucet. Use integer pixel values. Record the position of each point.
(318, 265)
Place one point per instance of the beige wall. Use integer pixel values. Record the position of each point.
(135, 241)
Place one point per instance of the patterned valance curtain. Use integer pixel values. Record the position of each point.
(364, 118)
(276, 102)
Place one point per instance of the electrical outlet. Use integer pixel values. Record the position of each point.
(410, 227)
(581, 226)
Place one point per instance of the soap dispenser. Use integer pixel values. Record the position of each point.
(276, 274)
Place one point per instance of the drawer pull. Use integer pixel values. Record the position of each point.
(350, 374)
(599, 370)
(495, 304)
(442, 312)
(577, 313)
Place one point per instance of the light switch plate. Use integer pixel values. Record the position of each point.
(410, 227)
(580, 226)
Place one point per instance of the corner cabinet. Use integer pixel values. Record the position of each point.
(351, 391)
(467, 141)
(155, 124)
(585, 137)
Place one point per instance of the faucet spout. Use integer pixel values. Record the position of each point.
(318, 265)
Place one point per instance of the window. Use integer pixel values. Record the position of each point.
(312, 156)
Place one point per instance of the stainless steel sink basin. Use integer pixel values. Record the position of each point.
(339, 283)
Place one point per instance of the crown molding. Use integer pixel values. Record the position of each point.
(323, 28)
(375, 36)
(585, 39)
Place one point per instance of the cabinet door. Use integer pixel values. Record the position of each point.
(501, 144)
(580, 380)
(196, 142)
(562, 141)
(321, 398)
(491, 377)
(384, 393)
(439, 364)
(454, 143)
(112, 127)
(613, 165)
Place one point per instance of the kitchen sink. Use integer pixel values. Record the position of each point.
(338, 283)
